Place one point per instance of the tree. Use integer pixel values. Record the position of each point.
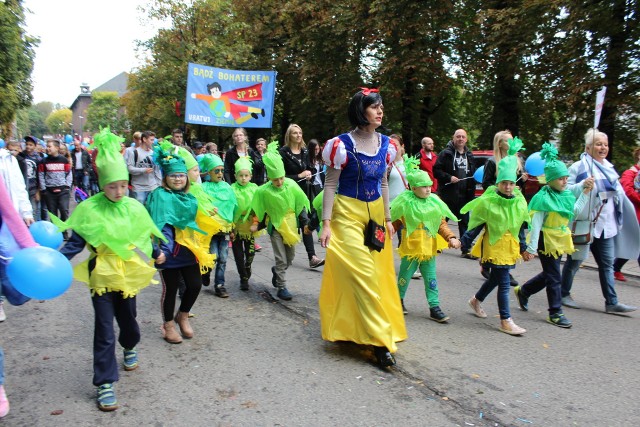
(59, 121)
(30, 121)
(105, 110)
(16, 57)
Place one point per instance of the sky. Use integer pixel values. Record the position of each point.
(83, 42)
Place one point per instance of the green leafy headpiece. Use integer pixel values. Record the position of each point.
(244, 163)
(109, 161)
(415, 176)
(553, 168)
(170, 163)
(273, 161)
(209, 161)
(508, 166)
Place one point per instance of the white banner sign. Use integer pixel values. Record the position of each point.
(599, 104)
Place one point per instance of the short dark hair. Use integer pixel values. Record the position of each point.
(359, 104)
(177, 130)
(147, 134)
(212, 85)
(54, 142)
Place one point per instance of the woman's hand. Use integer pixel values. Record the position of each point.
(390, 229)
(325, 236)
(161, 258)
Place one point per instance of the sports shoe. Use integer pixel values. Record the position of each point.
(315, 262)
(273, 277)
(509, 327)
(220, 291)
(619, 308)
(467, 255)
(130, 359)
(384, 357)
(284, 294)
(558, 319)
(477, 308)
(523, 301)
(513, 281)
(485, 272)
(107, 398)
(437, 314)
(619, 276)
(404, 309)
(244, 285)
(4, 402)
(416, 275)
(569, 302)
(257, 247)
(3, 315)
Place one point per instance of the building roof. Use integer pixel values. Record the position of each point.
(116, 84)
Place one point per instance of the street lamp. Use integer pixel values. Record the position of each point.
(81, 132)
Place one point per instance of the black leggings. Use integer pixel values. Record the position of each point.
(170, 282)
(244, 250)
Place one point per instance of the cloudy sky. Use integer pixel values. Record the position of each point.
(83, 42)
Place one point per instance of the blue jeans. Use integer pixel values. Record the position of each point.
(468, 237)
(499, 277)
(220, 248)
(603, 252)
(141, 196)
(549, 278)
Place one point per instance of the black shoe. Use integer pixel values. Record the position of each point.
(244, 285)
(221, 291)
(513, 281)
(468, 255)
(558, 319)
(523, 301)
(262, 112)
(436, 314)
(273, 277)
(384, 357)
(284, 294)
(486, 272)
(254, 115)
(404, 309)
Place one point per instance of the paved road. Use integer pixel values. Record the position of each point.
(260, 361)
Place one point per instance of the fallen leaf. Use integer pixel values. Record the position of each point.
(57, 412)
(545, 345)
(445, 398)
(475, 376)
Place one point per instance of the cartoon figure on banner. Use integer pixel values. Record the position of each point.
(220, 102)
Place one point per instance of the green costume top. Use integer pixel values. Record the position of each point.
(508, 166)
(548, 199)
(223, 198)
(205, 201)
(244, 196)
(277, 202)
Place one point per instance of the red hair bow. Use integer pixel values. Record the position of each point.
(366, 91)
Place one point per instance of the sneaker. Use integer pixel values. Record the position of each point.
(284, 294)
(404, 309)
(107, 398)
(244, 285)
(485, 272)
(619, 308)
(3, 315)
(273, 277)
(416, 275)
(513, 281)
(523, 301)
(130, 359)
(4, 402)
(257, 248)
(558, 319)
(221, 291)
(315, 262)
(509, 327)
(467, 255)
(477, 308)
(436, 314)
(569, 302)
(619, 276)
(384, 357)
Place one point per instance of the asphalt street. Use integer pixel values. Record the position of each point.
(258, 361)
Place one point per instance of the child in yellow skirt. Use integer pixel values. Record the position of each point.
(424, 234)
(502, 209)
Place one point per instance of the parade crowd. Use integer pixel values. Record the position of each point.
(191, 206)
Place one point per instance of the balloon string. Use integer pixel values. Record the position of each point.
(6, 258)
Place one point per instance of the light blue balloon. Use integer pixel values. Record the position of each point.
(133, 144)
(479, 174)
(46, 234)
(68, 139)
(534, 165)
(2, 144)
(40, 273)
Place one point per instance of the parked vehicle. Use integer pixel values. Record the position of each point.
(531, 187)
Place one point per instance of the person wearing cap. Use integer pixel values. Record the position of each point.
(244, 243)
(425, 234)
(173, 209)
(111, 226)
(281, 206)
(502, 209)
(225, 205)
(551, 209)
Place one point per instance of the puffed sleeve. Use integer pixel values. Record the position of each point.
(334, 154)
(392, 151)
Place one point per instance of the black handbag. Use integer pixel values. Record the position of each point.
(374, 235)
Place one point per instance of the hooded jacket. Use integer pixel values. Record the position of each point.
(448, 164)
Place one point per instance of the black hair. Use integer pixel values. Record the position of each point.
(212, 85)
(147, 134)
(359, 104)
(311, 148)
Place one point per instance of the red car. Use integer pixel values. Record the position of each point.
(531, 187)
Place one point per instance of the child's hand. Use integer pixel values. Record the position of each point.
(526, 256)
(253, 228)
(307, 230)
(454, 243)
(161, 258)
(588, 184)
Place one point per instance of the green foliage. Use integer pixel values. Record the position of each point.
(105, 110)
(31, 121)
(59, 121)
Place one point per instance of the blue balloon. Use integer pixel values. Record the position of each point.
(133, 144)
(68, 139)
(40, 273)
(2, 144)
(479, 174)
(46, 234)
(534, 165)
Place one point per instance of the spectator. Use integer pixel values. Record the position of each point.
(145, 174)
(55, 180)
(240, 149)
(32, 160)
(630, 182)
(81, 162)
(428, 158)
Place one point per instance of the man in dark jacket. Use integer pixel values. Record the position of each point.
(81, 165)
(454, 171)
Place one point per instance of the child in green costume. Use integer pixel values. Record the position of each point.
(111, 226)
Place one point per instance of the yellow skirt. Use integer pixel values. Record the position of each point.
(420, 246)
(359, 299)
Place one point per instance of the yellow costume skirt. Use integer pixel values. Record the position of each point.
(359, 299)
(114, 274)
(506, 251)
(193, 241)
(420, 246)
